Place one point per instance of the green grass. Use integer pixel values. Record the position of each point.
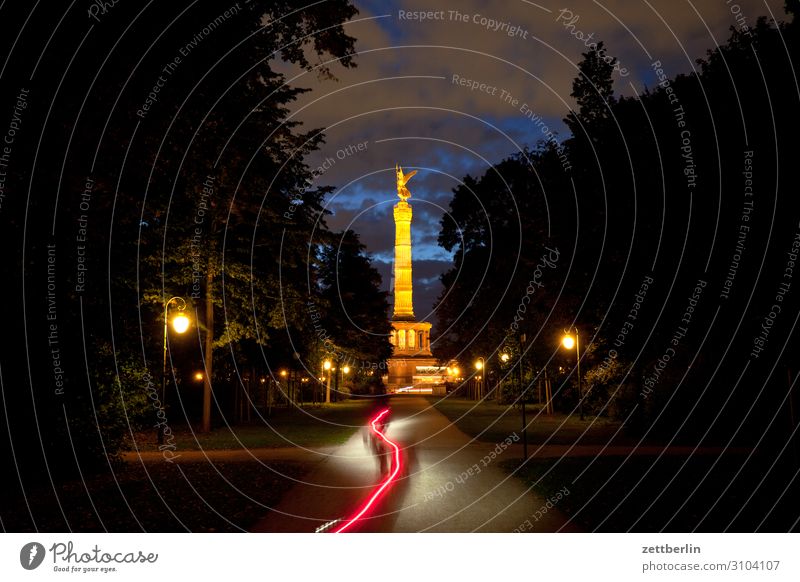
(325, 425)
(492, 422)
(189, 496)
(610, 495)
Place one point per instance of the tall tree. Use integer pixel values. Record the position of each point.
(357, 311)
(240, 173)
(161, 163)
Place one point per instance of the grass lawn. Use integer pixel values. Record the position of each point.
(608, 495)
(491, 422)
(186, 497)
(324, 425)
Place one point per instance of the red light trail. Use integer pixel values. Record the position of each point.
(385, 483)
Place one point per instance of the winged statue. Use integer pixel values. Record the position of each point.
(402, 180)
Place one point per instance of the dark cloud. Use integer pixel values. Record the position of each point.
(402, 104)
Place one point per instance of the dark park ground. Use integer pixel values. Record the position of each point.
(227, 480)
(223, 481)
(617, 484)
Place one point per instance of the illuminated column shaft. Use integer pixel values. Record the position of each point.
(403, 302)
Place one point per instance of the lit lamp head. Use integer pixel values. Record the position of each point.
(326, 364)
(479, 364)
(198, 376)
(180, 323)
(346, 369)
(283, 373)
(568, 342)
(504, 357)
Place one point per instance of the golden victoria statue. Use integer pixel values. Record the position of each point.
(403, 302)
(402, 180)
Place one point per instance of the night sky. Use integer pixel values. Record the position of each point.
(403, 103)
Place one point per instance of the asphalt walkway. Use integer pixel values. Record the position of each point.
(448, 484)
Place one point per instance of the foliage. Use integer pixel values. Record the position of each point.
(202, 192)
(638, 203)
(357, 318)
(115, 405)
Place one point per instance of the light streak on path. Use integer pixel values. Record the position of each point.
(384, 484)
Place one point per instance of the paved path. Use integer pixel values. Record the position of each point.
(435, 492)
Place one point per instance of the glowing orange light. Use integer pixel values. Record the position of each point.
(386, 482)
(180, 323)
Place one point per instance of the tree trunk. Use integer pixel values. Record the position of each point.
(209, 351)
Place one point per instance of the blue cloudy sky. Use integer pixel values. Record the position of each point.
(402, 103)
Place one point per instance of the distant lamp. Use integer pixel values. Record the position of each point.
(504, 357)
(479, 364)
(570, 341)
(283, 373)
(326, 365)
(346, 369)
(198, 376)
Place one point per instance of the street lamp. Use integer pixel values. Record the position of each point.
(345, 372)
(287, 390)
(523, 392)
(180, 323)
(505, 357)
(480, 364)
(569, 341)
(326, 365)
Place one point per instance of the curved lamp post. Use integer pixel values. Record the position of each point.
(180, 323)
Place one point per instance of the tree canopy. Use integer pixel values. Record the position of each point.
(651, 216)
